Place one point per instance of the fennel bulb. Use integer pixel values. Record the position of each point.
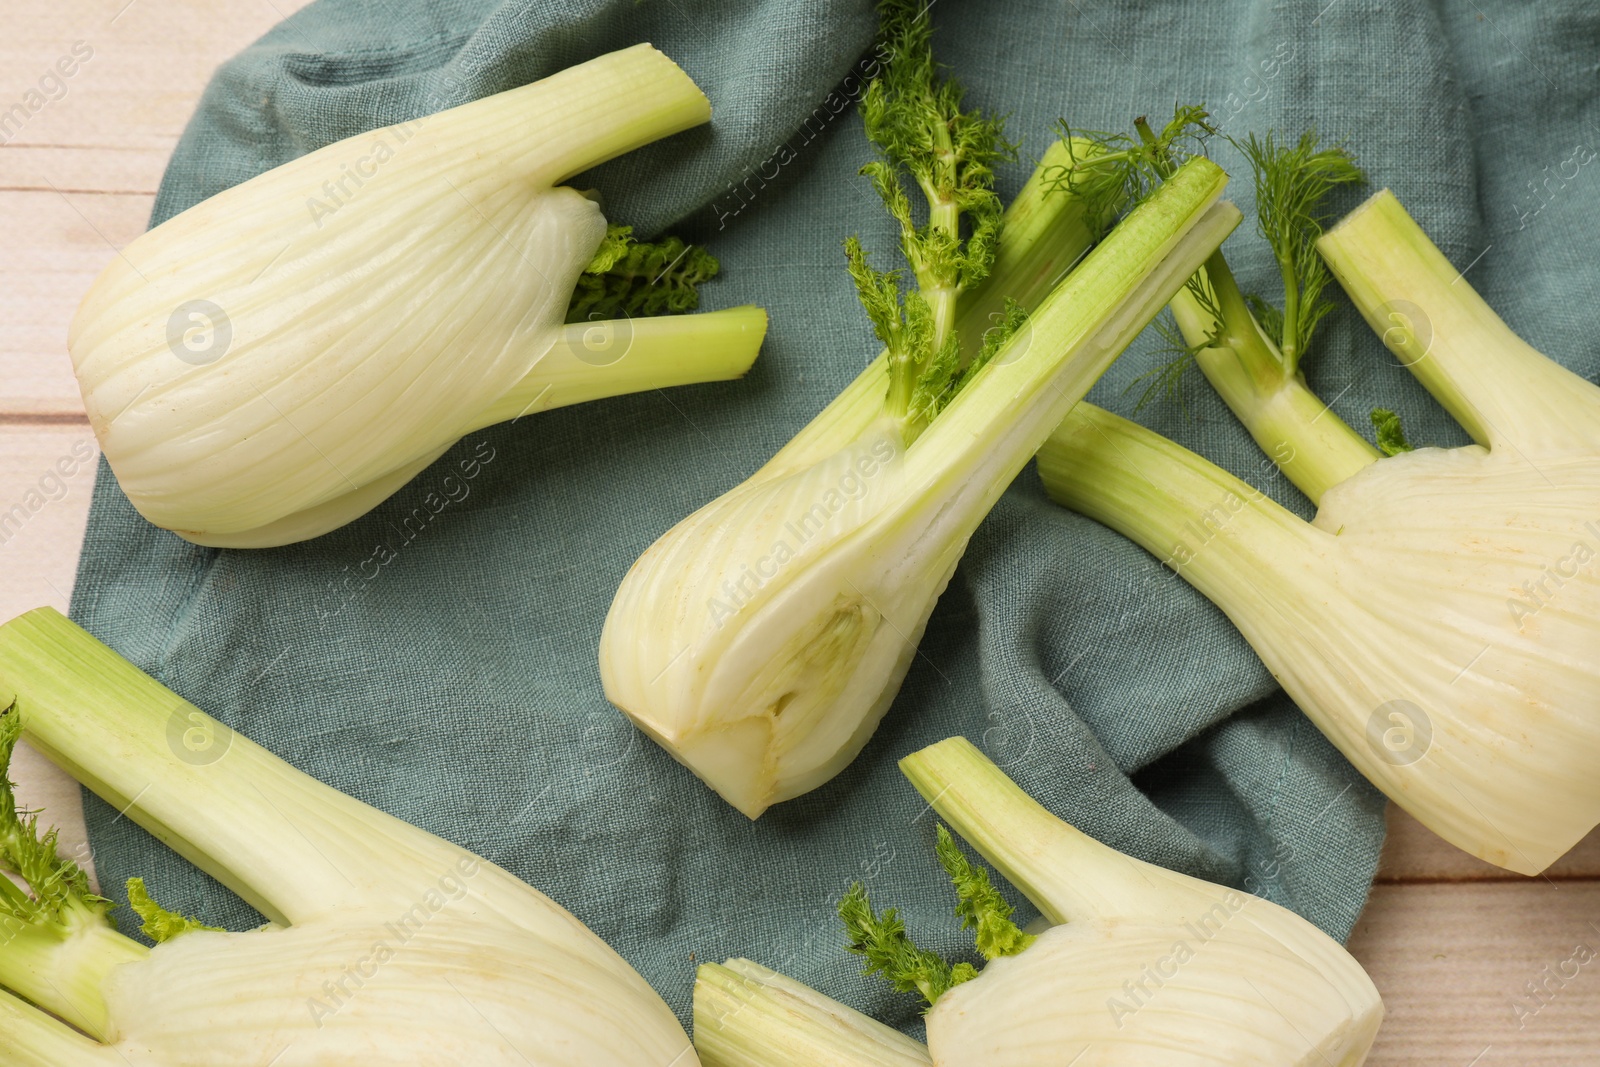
(1437, 620)
(387, 945)
(277, 360)
(762, 638)
(1133, 965)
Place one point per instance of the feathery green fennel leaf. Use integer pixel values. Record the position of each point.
(1165, 382)
(159, 923)
(1391, 435)
(915, 119)
(945, 377)
(879, 293)
(882, 941)
(925, 140)
(1292, 183)
(640, 278)
(612, 248)
(1123, 169)
(981, 907)
(56, 885)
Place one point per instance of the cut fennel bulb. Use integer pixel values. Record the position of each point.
(1144, 967)
(272, 363)
(387, 945)
(762, 638)
(1438, 619)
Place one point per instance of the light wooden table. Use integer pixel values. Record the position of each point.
(1451, 942)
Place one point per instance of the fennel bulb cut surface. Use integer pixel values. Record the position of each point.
(1439, 618)
(274, 361)
(762, 638)
(1145, 967)
(387, 945)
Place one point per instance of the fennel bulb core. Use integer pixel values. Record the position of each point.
(264, 366)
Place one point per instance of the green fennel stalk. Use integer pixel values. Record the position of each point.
(747, 1015)
(1250, 351)
(1256, 366)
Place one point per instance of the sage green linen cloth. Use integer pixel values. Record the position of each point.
(447, 674)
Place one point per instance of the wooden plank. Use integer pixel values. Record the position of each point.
(55, 246)
(46, 475)
(82, 168)
(108, 127)
(111, 74)
(1455, 962)
(1413, 853)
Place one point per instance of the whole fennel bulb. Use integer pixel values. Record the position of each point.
(1145, 967)
(280, 358)
(387, 945)
(1438, 618)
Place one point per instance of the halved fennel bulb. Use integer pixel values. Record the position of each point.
(762, 638)
(274, 362)
(387, 944)
(1439, 619)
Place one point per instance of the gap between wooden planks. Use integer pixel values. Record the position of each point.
(1450, 941)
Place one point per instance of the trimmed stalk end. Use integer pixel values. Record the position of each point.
(606, 107)
(613, 357)
(748, 1016)
(1497, 386)
(1064, 872)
